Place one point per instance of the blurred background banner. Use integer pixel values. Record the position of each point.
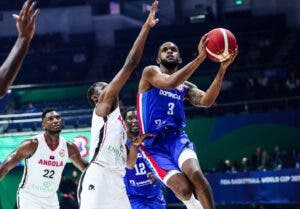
(281, 186)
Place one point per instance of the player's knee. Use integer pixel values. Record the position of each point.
(199, 181)
(184, 192)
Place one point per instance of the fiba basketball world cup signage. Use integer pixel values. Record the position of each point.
(274, 186)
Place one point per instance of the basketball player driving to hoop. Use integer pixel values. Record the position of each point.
(160, 111)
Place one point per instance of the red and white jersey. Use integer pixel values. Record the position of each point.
(108, 138)
(43, 170)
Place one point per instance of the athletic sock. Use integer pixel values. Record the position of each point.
(192, 203)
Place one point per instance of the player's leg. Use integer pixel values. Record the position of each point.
(183, 190)
(23, 203)
(117, 191)
(100, 188)
(89, 187)
(179, 184)
(146, 203)
(27, 201)
(189, 165)
(168, 172)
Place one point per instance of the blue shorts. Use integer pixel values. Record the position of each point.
(147, 203)
(163, 152)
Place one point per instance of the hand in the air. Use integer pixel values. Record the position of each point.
(25, 21)
(151, 20)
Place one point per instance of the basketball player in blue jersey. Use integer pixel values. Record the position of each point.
(45, 157)
(25, 23)
(160, 112)
(143, 189)
(102, 185)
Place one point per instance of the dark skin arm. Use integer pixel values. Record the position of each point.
(152, 75)
(200, 98)
(75, 156)
(25, 150)
(132, 153)
(25, 23)
(108, 100)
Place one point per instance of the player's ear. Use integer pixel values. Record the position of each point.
(158, 60)
(179, 60)
(94, 98)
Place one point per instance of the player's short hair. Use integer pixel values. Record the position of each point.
(126, 110)
(164, 44)
(47, 110)
(90, 92)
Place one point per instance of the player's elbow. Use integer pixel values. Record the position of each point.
(131, 63)
(207, 103)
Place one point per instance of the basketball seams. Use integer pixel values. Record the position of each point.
(222, 42)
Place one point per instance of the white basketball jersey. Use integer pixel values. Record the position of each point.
(42, 172)
(108, 138)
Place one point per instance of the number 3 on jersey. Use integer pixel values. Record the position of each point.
(171, 106)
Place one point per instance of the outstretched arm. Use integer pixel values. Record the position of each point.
(200, 98)
(152, 75)
(26, 149)
(76, 158)
(133, 57)
(25, 23)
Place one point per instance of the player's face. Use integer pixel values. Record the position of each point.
(98, 90)
(168, 55)
(52, 122)
(131, 122)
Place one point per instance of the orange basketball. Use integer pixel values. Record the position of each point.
(220, 45)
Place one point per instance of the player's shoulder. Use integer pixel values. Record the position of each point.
(189, 84)
(151, 68)
(29, 146)
(32, 142)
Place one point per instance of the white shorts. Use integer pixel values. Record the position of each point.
(26, 200)
(100, 188)
(185, 155)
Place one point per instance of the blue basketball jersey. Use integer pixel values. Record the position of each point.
(158, 108)
(137, 182)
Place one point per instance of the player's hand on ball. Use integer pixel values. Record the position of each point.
(152, 20)
(202, 46)
(230, 60)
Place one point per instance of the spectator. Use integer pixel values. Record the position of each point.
(277, 159)
(296, 159)
(265, 161)
(31, 109)
(256, 158)
(292, 82)
(245, 164)
(229, 167)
